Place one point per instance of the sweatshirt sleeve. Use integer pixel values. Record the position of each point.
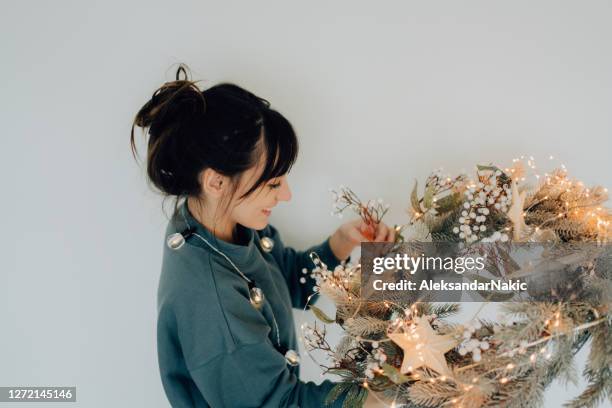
(293, 263)
(228, 352)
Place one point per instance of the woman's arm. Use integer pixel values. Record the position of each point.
(296, 265)
(332, 251)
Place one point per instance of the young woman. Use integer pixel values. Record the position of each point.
(225, 331)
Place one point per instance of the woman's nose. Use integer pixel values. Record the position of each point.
(284, 193)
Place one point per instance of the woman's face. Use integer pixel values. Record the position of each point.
(255, 209)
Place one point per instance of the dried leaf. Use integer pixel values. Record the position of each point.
(414, 198)
(321, 315)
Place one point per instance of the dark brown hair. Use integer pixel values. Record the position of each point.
(225, 127)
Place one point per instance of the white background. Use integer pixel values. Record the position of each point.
(379, 94)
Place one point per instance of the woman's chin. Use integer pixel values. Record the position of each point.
(259, 224)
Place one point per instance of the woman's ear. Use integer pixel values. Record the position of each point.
(213, 183)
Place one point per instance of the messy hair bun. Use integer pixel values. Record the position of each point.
(190, 130)
(167, 101)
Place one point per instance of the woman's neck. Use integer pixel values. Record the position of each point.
(221, 228)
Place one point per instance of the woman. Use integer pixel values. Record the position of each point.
(225, 331)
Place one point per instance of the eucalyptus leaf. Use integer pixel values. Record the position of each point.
(321, 315)
(482, 167)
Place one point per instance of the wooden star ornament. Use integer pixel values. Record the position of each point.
(423, 347)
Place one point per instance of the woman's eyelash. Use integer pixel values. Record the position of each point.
(274, 185)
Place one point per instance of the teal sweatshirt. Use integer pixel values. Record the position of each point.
(215, 349)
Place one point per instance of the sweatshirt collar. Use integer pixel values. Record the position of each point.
(237, 252)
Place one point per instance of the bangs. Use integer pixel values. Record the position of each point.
(280, 147)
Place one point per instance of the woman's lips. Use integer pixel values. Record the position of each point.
(266, 211)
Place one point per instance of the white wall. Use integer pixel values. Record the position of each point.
(379, 93)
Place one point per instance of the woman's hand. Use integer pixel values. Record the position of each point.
(349, 235)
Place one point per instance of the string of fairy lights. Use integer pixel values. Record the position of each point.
(343, 277)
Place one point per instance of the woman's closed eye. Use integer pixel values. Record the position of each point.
(274, 185)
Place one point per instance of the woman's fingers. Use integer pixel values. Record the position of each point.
(353, 230)
(355, 235)
(382, 233)
(391, 235)
(357, 231)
